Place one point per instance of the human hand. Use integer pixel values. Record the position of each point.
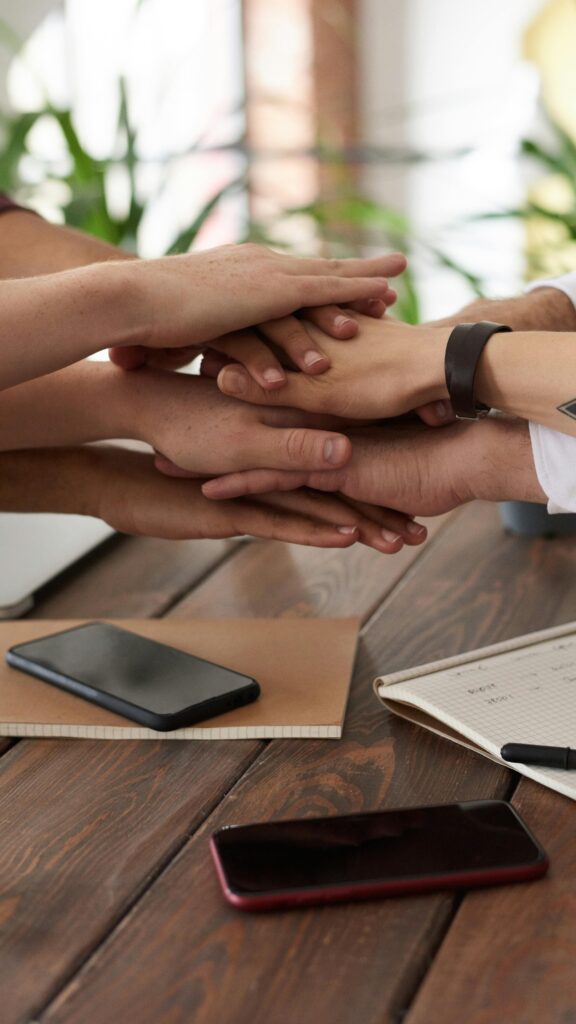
(411, 468)
(129, 493)
(189, 300)
(123, 488)
(286, 339)
(389, 369)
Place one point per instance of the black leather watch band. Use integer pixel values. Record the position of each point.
(465, 346)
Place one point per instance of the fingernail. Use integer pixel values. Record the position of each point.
(441, 410)
(335, 450)
(347, 530)
(390, 537)
(234, 381)
(415, 529)
(273, 376)
(375, 304)
(343, 321)
(311, 357)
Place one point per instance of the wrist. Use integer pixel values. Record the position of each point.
(500, 464)
(431, 384)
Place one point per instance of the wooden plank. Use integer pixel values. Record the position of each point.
(515, 947)
(182, 955)
(86, 824)
(270, 579)
(130, 577)
(64, 789)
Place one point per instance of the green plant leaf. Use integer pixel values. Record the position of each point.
(186, 237)
(15, 131)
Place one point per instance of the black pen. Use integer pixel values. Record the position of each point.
(547, 757)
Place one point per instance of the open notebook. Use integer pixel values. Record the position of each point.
(519, 691)
(303, 666)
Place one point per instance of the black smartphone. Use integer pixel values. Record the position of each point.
(150, 683)
(364, 856)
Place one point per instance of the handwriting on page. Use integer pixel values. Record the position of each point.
(527, 695)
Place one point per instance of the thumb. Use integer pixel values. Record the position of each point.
(436, 414)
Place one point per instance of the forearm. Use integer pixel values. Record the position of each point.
(65, 480)
(530, 375)
(31, 246)
(94, 401)
(545, 309)
(86, 402)
(52, 321)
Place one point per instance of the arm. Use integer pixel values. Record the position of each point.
(31, 246)
(124, 489)
(391, 368)
(544, 309)
(411, 467)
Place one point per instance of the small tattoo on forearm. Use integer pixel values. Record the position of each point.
(568, 408)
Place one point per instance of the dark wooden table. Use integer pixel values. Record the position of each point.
(110, 909)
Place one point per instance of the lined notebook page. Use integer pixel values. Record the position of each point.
(523, 695)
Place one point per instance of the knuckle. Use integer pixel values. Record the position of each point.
(252, 248)
(299, 445)
(293, 336)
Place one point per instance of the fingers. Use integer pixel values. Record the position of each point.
(320, 291)
(389, 265)
(233, 380)
(169, 468)
(381, 528)
(129, 357)
(212, 363)
(269, 520)
(290, 334)
(375, 307)
(258, 360)
(253, 481)
(334, 321)
(436, 414)
(394, 524)
(295, 448)
(372, 530)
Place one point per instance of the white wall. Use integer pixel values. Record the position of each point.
(446, 75)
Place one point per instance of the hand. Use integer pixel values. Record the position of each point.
(389, 369)
(142, 501)
(411, 468)
(123, 488)
(288, 333)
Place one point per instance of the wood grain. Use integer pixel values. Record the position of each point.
(132, 576)
(514, 947)
(182, 955)
(144, 577)
(269, 579)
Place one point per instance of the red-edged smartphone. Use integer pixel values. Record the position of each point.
(364, 856)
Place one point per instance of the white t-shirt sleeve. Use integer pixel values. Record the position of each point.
(555, 453)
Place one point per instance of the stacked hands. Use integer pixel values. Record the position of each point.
(313, 399)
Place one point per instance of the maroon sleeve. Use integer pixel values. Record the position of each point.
(7, 204)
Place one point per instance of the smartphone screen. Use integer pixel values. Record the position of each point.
(148, 682)
(480, 842)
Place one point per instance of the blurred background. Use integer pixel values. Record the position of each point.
(444, 128)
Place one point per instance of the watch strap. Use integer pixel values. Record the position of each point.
(463, 350)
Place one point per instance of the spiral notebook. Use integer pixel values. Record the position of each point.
(303, 666)
(519, 691)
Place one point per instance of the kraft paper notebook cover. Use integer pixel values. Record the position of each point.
(303, 666)
(519, 691)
